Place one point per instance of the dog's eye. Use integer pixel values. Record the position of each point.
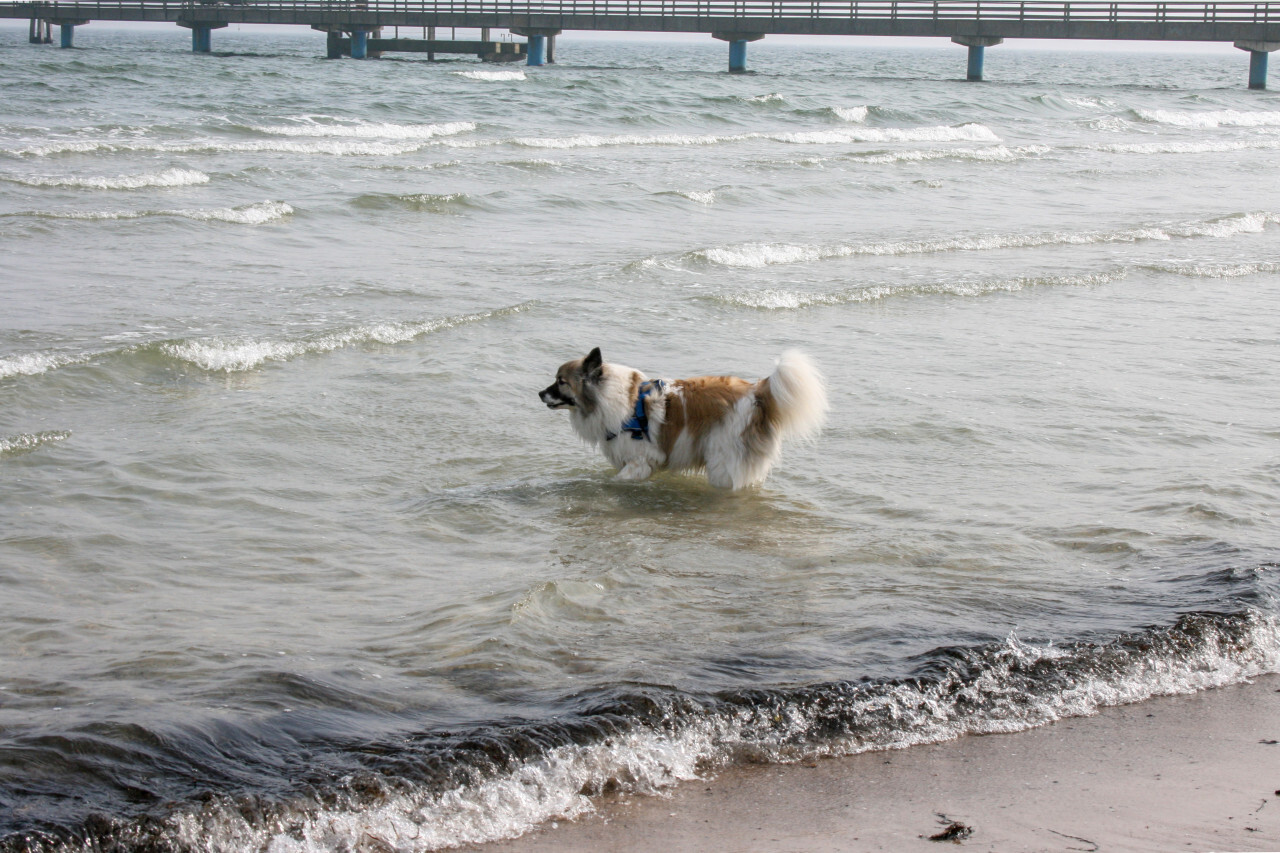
(561, 382)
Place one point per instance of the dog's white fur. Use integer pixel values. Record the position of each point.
(731, 428)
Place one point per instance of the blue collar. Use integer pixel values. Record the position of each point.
(638, 424)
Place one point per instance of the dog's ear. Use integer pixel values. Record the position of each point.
(592, 363)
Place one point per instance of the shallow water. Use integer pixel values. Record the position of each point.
(293, 558)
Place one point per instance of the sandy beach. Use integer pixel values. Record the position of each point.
(1198, 772)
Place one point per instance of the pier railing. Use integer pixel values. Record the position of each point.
(1088, 11)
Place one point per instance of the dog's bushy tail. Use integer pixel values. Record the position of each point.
(799, 396)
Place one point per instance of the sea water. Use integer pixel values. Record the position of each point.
(293, 558)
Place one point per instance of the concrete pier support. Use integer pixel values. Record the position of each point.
(359, 44)
(541, 47)
(537, 50)
(1258, 51)
(333, 45)
(201, 39)
(67, 30)
(977, 53)
(40, 32)
(737, 48)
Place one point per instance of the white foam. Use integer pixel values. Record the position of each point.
(32, 364)
(241, 354)
(992, 154)
(250, 214)
(374, 130)
(780, 299)
(492, 76)
(165, 178)
(1195, 269)
(1211, 118)
(330, 147)
(699, 196)
(962, 133)
(1215, 147)
(759, 255)
(1003, 697)
(31, 441)
(850, 114)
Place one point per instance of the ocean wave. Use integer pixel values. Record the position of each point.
(491, 76)
(991, 154)
(1216, 147)
(250, 214)
(145, 180)
(1211, 118)
(445, 203)
(759, 255)
(851, 114)
(961, 133)
(328, 147)
(27, 442)
(773, 299)
(33, 364)
(506, 779)
(372, 130)
(232, 355)
(1200, 269)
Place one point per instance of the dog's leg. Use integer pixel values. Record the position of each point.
(636, 469)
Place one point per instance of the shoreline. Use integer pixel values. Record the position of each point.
(1198, 772)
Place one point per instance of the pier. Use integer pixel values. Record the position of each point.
(354, 26)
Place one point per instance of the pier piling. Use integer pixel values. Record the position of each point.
(737, 48)
(541, 43)
(359, 44)
(977, 49)
(1258, 51)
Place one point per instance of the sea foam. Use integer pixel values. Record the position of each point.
(144, 180)
(1002, 688)
(759, 255)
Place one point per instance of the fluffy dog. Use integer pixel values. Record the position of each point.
(729, 427)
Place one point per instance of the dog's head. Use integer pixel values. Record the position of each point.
(575, 383)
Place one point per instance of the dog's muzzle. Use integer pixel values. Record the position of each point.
(554, 399)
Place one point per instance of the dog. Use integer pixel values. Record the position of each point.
(731, 428)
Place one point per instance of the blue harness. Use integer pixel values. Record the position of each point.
(638, 424)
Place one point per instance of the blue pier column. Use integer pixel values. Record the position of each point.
(537, 50)
(737, 48)
(67, 28)
(540, 48)
(977, 53)
(1258, 51)
(201, 39)
(359, 44)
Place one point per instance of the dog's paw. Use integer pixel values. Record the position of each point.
(634, 471)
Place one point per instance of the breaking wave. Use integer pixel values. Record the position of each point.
(780, 299)
(429, 791)
(492, 76)
(1216, 147)
(165, 178)
(371, 130)
(239, 354)
(961, 133)
(1210, 118)
(759, 255)
(30, 441)
(250, 214)
(446, 203)
(991, 154)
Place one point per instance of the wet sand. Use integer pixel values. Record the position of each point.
(1198, 772)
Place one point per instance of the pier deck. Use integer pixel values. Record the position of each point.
(1252, 26)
